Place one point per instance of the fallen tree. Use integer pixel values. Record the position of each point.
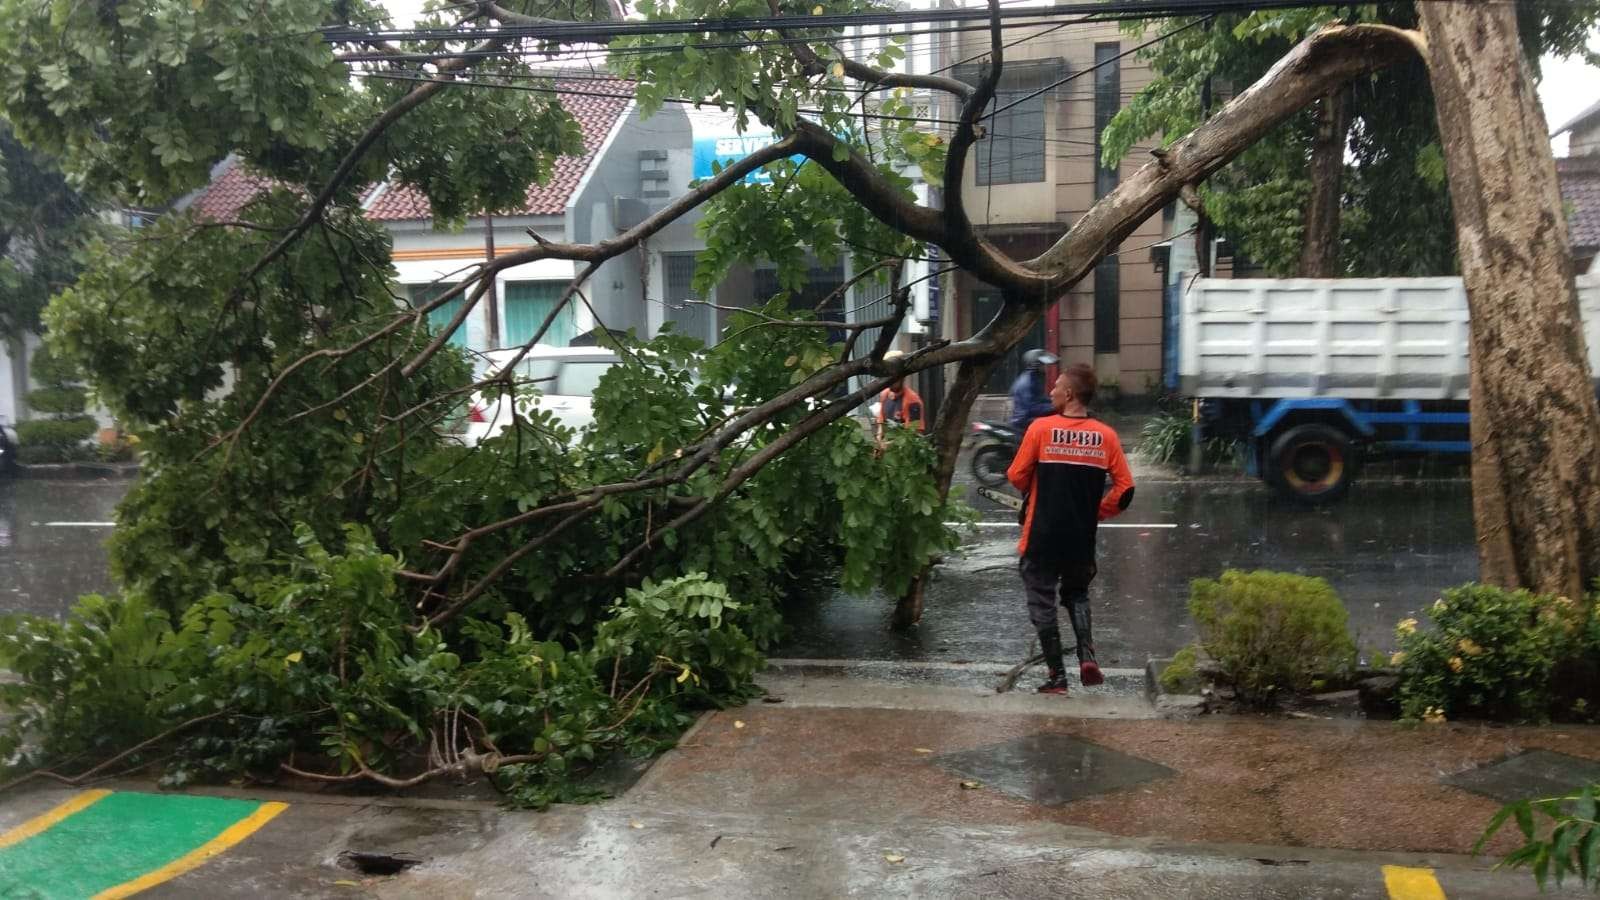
(526, 545)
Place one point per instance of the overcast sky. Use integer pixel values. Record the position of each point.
(1569, 87)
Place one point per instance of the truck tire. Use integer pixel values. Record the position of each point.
(1313, 463)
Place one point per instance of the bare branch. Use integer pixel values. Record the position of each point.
(812, 424)
(877, 78)
(415, 98)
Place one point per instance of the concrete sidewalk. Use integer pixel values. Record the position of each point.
(852, 788)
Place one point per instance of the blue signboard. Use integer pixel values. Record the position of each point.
(730, 149)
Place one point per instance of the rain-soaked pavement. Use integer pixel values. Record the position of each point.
(1388, 550)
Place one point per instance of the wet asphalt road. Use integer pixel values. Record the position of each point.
(1388, 550)
(44, 567)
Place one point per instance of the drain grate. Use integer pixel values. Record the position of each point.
(368, 863)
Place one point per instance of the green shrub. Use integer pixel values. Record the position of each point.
(1167, 437)
(1181, 671)
(59, 438)
(1271, 631)
(310, 658)
(1493, 653)
(54, 455)
(58, 400)
(52, 369)
(56, 433)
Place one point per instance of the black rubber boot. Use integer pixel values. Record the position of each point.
(1050, 646)
(1083, 632)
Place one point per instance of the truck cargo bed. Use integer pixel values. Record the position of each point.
(1355, 338)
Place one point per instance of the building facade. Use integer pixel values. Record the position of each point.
(1036, 172)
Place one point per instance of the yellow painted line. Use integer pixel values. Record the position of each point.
(42, 823)
(1407, 883)
(197, 857)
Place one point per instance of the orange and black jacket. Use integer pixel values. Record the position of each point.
(905, 408)
(1062, 467)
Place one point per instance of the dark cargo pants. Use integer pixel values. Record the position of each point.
(1044, 579)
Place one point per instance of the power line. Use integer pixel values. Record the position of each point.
(600, 32)
(744, 43)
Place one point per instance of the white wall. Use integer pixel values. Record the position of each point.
(510, 234)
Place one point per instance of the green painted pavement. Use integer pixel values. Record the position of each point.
(114, 841)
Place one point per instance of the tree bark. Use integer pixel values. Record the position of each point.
(1012, 324)
(1319, 248)
(948, 431)
(1535, 420)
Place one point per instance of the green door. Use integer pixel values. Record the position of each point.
(439, 319)
(527, 305)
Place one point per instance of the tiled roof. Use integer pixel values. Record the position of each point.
(221, 200)
(235, 186)
(596, 115)
(1580, 193)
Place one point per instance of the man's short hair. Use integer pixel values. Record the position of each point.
(1082, 380)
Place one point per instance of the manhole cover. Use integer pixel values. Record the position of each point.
(1052, 769)
(1536, 773)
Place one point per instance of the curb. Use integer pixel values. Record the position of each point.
(81, 471)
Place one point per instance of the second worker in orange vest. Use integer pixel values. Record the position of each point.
(1062, 468)
(900, 404)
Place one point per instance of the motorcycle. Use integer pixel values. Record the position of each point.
(994, 446)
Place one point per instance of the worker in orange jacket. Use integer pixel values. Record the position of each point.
(1062, 468)
(900, 404)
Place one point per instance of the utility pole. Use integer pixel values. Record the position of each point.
(494, 285)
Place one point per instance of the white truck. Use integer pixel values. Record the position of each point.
(1315, 375)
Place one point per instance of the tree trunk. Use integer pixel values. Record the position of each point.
(1319, 249)
(948, 431)
(1010, 326)
(1535, 421)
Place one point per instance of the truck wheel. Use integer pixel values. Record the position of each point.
(1313, 463)
(989, 464)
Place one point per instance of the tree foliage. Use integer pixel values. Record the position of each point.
(44, 224)
(1396, 208)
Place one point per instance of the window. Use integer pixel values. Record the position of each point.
(1107, 306)
(440, 318)
(527, 305)
(579, 378)
(1014, 150)
(691, 319)
(1107, 101)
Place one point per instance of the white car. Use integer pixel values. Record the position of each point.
(565, 378)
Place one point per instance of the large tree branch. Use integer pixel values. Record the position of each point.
(1318, 64)
(885, 200)
(966, 133)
